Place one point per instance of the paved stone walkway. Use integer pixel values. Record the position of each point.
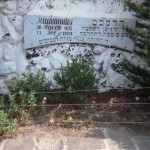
(91, 139)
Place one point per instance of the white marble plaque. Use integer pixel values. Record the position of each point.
(43, 30)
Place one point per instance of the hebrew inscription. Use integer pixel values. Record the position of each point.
(43, 30)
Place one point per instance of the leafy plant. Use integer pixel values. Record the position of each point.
(23, 91)
(141, 38)
(29, 82)
(72, 120)
(77, 75)
(18, 108)
(90, 108)
(136, 73)
(7, 125)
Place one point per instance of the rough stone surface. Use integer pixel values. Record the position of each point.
(8, 7)
(7, 67)
(1, 50)
(98, 49)
(17, 22)
(8, 52)
(21, 61)
(11, 36)
(56, 60)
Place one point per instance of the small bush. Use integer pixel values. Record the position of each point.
(18, 108)
(24, 90)
(7, 124)
(27, 83)
(77, 75)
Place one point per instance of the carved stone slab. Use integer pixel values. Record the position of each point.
(43, 30)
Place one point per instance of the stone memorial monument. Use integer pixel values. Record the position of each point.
(43, 34)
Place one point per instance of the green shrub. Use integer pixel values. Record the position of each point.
(18, 108)
(24, 90)
(7, 125)
(27, 83)
(77, 75)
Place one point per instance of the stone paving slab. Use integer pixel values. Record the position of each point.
(48, 142)
(93, 139)
(118, 139)
(143, 142)
(85, 143)
(16, 144)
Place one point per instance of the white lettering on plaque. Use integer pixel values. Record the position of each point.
(43, 30)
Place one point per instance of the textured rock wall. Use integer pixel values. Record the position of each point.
(14, 59)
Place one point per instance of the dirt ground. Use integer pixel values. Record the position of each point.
(130, 109)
